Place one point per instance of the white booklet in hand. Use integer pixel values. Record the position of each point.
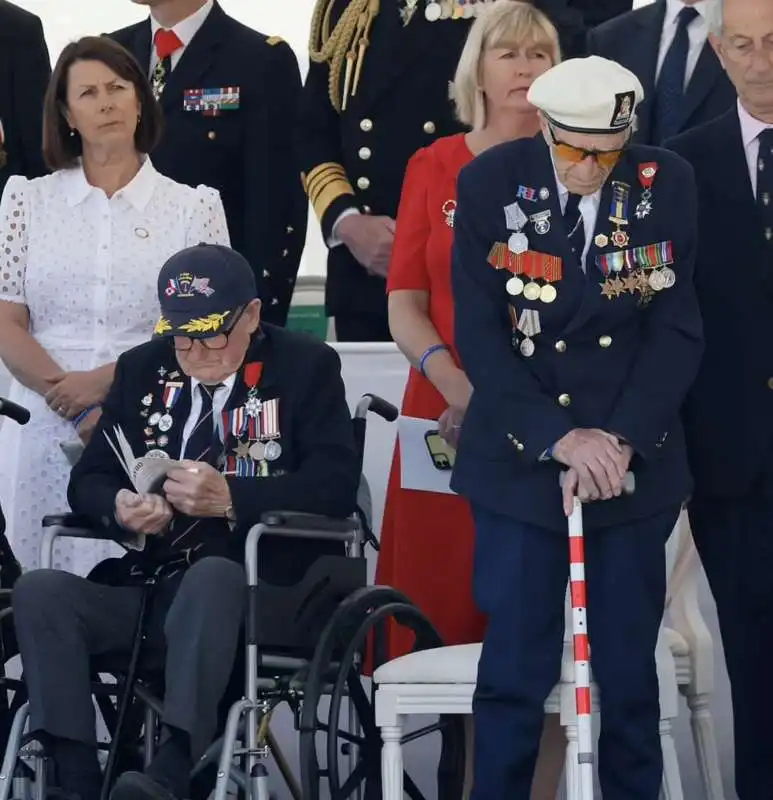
(146, 473)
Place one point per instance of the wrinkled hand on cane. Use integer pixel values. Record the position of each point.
(580, 645)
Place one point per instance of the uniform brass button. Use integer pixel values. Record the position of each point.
(366, 210)
(366, 125)
(429, 127)
(564, 400)
(364, 153)
(519, 447)
(560, 345)
(605, 341)
(363, 183)
(770, 383)
(211, 136)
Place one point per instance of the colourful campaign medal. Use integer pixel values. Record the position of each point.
(618, 214)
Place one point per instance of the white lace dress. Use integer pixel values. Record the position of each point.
(85, 265)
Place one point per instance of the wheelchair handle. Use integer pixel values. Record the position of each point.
(14, 411)
(372, 402)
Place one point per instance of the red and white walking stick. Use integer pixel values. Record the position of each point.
(581, 646)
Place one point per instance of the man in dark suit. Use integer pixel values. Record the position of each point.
(729, 413)
(229, 96)
(357, 133)
(25, 69)
(259, 417)
(578, 325)
(665, 45)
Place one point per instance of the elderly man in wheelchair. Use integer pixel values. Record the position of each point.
(231, 419)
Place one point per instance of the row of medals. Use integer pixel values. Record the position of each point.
(435, 10)
(519, 243)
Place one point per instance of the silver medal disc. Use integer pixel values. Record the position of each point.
(432, 12)
(527, 348)
(669, 276)
(258, 451)
(273, 450)
(156, 454)
(514, 286)
(154, 418)
(657, 280)
(165, 423)
(518, 243)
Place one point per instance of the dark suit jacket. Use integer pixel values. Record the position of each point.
(317, 471)
(401, 105)
(594, 12)
(613, 364)
(25, 70)
(246, 153)
(633, 40)
(728, 416)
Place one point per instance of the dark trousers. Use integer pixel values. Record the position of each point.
(63, 620)
(520, 580)
(735, 542)
(358, 327)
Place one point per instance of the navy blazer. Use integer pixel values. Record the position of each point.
(633, 40)
(618, 364)
(729, 411)
(247, 153)
(317, 471)
(25, 70)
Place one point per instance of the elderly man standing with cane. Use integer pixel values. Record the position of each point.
(577, 322)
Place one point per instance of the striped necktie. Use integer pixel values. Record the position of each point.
(204, 442)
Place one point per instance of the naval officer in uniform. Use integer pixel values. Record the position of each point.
(578, 325)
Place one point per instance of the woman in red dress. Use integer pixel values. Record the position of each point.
(427, 538)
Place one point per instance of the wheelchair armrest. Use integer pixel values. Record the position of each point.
(310, 522)
(299, 525)
(66, 521)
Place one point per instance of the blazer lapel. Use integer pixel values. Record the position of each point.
(140, 44)
(195, 59)
(642, 59)
(707, 72)
(592, 296)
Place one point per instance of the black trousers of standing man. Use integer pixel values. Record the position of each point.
(63, 620)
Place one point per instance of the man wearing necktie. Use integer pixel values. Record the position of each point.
(577, 324)
(665, 45)
(251, 418)
(729, 413)
(229, 96)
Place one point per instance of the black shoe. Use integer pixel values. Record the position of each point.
(140, 786)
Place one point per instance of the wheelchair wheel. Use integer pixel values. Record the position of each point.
(358, 628)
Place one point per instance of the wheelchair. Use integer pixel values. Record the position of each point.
(310, 646)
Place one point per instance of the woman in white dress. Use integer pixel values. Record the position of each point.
(80, 251)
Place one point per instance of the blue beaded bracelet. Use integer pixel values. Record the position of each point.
(427, 353)
(86, 411)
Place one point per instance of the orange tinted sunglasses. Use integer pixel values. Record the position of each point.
(606, 159)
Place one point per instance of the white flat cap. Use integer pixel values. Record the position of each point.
(588, 95)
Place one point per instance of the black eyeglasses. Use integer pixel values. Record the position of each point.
(219, 342)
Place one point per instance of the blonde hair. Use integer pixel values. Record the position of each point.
(504, 23)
